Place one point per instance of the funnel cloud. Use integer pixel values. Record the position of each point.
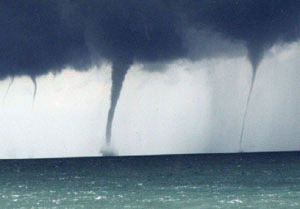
(120, 68)
(50, 35)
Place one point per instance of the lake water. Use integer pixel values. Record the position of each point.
(261, 180)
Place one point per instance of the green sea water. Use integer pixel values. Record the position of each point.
(253, 180)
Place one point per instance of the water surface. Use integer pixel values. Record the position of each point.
(253, 180)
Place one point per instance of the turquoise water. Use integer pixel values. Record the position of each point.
(262, 180)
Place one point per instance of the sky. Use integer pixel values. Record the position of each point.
(159, 77)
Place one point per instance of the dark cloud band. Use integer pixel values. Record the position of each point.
(41, 36)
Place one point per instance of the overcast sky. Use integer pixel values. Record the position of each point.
(148, 77)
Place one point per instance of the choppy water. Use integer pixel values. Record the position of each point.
(263, 180)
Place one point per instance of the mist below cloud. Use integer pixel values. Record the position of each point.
(192, 107)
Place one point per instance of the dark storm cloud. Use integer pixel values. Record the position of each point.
(260, 24)
(40, 36)
(140, 30)
(34, 39)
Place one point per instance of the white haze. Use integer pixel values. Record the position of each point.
(193, 107)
